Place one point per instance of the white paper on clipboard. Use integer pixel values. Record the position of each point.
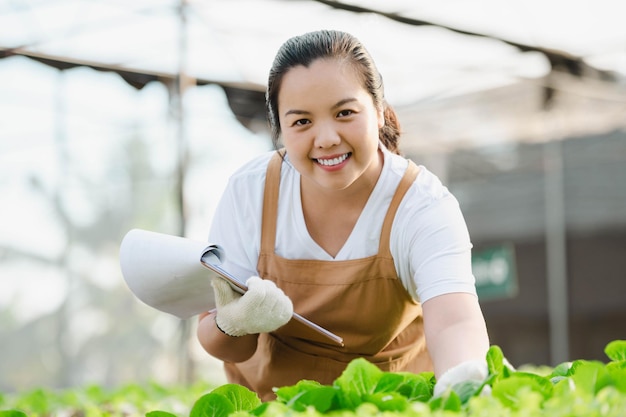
(173, 274)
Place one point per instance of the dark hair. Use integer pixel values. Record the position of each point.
(306, 48)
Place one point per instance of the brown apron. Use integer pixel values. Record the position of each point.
(361, 300)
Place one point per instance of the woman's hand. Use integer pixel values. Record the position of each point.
(263, 308)
(473, 370)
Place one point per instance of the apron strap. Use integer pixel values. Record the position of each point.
(270, 203)
(405, 183)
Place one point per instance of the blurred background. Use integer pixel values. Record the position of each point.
(132, 114)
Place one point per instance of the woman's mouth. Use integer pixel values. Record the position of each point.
(329, 162)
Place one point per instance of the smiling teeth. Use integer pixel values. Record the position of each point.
(334, 161)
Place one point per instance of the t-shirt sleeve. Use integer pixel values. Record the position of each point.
(435, 237)
(441, 255)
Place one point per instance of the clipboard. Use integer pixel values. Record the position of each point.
(169, 273)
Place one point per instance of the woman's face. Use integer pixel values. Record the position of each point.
(329, 124)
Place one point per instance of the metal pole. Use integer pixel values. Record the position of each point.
(556, 256)
(184, 361)
(67, 368)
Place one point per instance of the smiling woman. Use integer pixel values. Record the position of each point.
(334, 220)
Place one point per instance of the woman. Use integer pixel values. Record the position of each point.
(342, 229)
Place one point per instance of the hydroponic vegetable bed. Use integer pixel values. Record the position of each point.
(581, 388)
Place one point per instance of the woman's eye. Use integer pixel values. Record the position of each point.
(301, 122)
(344, 113)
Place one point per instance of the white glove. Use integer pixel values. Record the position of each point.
(475, 370)
(263, 308)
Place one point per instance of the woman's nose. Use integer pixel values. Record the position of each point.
(326, 135)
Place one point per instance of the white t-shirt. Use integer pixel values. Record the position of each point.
(429, 240)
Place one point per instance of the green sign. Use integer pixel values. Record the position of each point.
(494, 269)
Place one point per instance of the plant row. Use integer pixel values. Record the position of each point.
(581, 388)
